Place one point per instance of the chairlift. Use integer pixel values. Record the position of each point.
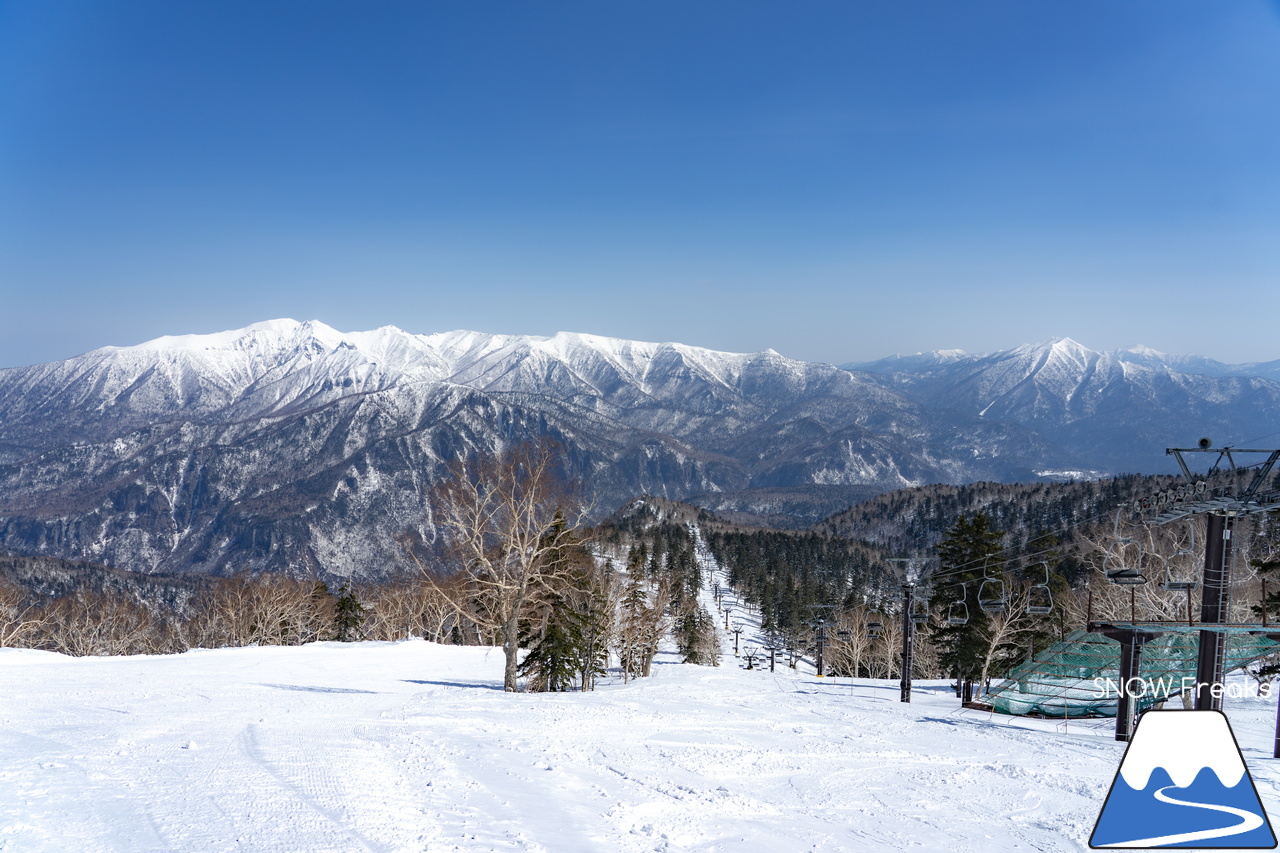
(1113, 562)
(991, 595)
(919, 610)
(958, 610)
(1040, 597)
(1172, 584)
(874, 629)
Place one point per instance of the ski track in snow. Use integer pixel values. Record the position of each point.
(398, 747)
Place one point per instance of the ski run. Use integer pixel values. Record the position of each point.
(412, 746)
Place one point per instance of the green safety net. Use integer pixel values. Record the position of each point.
(1079, 676)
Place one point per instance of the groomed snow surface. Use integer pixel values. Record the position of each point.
(413, 746)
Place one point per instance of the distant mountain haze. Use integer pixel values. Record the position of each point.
(1116, 412)
(291, 446)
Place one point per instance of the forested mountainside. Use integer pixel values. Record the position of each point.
(293, 447)
(796, 508)
(782, 571)
(43, 578)
(910, 522)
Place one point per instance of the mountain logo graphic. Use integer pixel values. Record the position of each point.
(1183, 783)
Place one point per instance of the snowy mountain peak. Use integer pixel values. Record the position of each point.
(914, 361)
(1056, 347)
(1068, 345)
(264, 336)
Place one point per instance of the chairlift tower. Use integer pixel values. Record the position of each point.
(1221, 507)
(908, 640)
(1222, 512)
(774, 645)
(908, 628)
(819, 624)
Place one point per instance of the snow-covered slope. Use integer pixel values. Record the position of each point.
(412, 747)
(293, 446)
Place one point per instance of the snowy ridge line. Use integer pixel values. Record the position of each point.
(291, 446)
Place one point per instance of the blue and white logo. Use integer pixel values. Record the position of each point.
(1183, 783)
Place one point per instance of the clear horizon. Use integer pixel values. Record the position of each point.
(838, 182)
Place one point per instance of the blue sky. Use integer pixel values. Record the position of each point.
(836, 180)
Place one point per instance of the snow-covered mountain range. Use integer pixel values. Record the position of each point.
(289, 445)
(1140, 355)
(1115, 412)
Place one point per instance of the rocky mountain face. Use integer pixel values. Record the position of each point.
(1114, 413)
(294, 447)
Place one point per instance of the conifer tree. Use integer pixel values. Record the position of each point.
(641, 623)
(1267, 569)
(697, 637)
(348, 615)
(963, 555)
(551, 664)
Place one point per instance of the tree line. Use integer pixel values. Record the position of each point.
(515, 567)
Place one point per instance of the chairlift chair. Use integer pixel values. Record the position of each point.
(992, 597)
(1113, 562)
(874, 629)
(919, 610)
(1126, 577)
(958, 610)
(1172, 584)
(1040, 597)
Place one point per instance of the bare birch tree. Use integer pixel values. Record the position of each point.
(91, 623)
(406, 609)
(20, 620)
(1006, 628)
(508, 520)
(848, 654)
(269, 609)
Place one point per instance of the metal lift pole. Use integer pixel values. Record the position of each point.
(821, 642)
(908, 639)
(1213, 611)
